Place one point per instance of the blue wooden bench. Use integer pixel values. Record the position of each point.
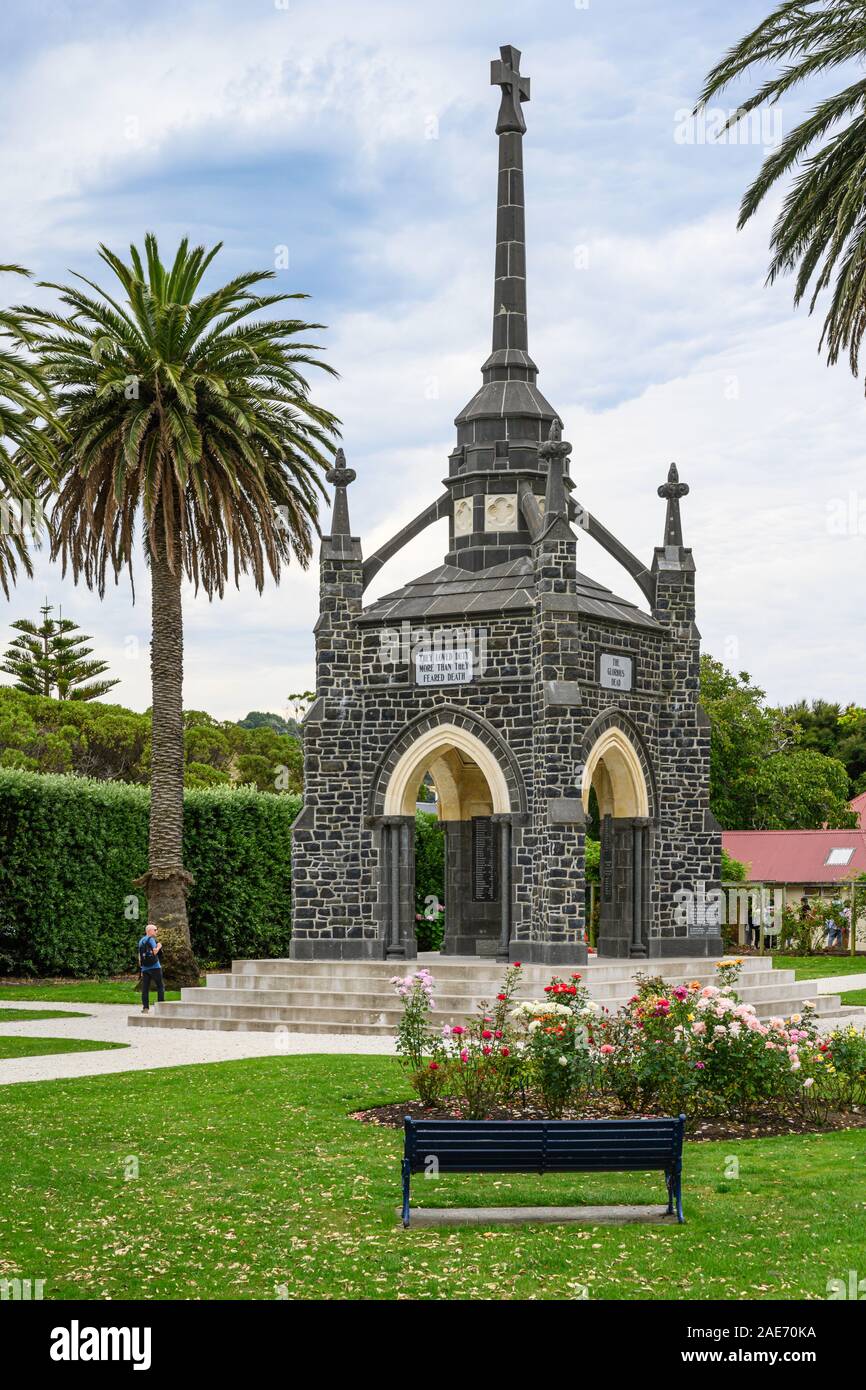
(546, 1146)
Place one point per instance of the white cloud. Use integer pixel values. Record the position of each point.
(664, 347)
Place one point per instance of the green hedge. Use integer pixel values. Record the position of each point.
(70, 848)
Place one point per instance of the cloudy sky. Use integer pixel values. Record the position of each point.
(359, 137)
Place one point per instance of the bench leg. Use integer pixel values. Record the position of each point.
(678, 1193)
(406, 1176)
(669, 1179)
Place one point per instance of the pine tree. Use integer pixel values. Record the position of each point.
(51, 659)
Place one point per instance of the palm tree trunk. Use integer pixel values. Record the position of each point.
(166, 881)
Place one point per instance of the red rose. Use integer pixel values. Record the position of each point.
(434, 1066)
(500, 996)
(485, 1033)
(505, 1052)
(516, 964)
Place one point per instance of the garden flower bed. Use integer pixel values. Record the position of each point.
(689, 1049)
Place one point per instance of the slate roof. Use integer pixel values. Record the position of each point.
(449, 592)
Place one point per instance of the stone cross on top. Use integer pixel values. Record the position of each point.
(340, 476)
(505, 73)
(672, 491)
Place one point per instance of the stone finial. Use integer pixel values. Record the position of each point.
(505, 73)
(339, 476)
(672, 491)
(555, 450)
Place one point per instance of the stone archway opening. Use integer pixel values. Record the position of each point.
(614, 773)
(473, 806)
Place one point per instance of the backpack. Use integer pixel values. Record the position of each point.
(147, 957)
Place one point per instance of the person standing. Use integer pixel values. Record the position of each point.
(753, 925)
(835, 923)
(150, 965)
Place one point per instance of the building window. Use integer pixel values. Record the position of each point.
(839, 856)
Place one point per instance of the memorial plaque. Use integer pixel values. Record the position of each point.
(614, 671)
(483, 860)
(443, 666)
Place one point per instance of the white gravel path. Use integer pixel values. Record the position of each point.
(838, 984)
(150, 1047)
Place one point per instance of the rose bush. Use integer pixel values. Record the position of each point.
(558, 1046)
(687, 1047)
(700, 1050)
(414, 1041)
(481, 1060)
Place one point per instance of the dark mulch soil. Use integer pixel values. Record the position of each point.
(756, 1127)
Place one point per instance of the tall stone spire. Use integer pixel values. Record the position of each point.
(499, 432)
(510, 339)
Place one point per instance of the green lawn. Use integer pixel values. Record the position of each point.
(854, 996)
(258, 1181)
(817, 967)
(8, 1015)
(80, 992)
(42, 1047)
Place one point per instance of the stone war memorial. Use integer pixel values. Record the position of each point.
(515, 684)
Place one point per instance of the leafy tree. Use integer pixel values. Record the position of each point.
(189, 418)
(801, 790)
(821, 231)
(204, 775)
(429, 880)
(732, 870)
(109, 743)
(50, 658)
(299, 703)
(760, 777)
(836, 732)
(256, 719)
(26, 453)
(852, 750)
(592, 859)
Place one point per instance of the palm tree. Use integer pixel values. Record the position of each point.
(185, 415)
(821, 229)
(25, 451)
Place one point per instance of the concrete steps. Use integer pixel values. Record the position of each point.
(319, 997)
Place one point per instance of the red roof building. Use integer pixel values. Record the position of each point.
(799, 856)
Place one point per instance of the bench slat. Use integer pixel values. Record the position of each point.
(546, 1146)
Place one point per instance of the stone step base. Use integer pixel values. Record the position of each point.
(489, 973)
(456, 995)
(358, 997)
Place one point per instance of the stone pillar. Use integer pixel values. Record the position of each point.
(397, 887)
(688, 839)
(505, 888)
(558, 819)
(332, 848)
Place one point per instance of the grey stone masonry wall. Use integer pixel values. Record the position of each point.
(687, 862)
(333, 859)
(557, 923)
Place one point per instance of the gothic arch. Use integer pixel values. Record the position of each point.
(613, 747)
(427, 737)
